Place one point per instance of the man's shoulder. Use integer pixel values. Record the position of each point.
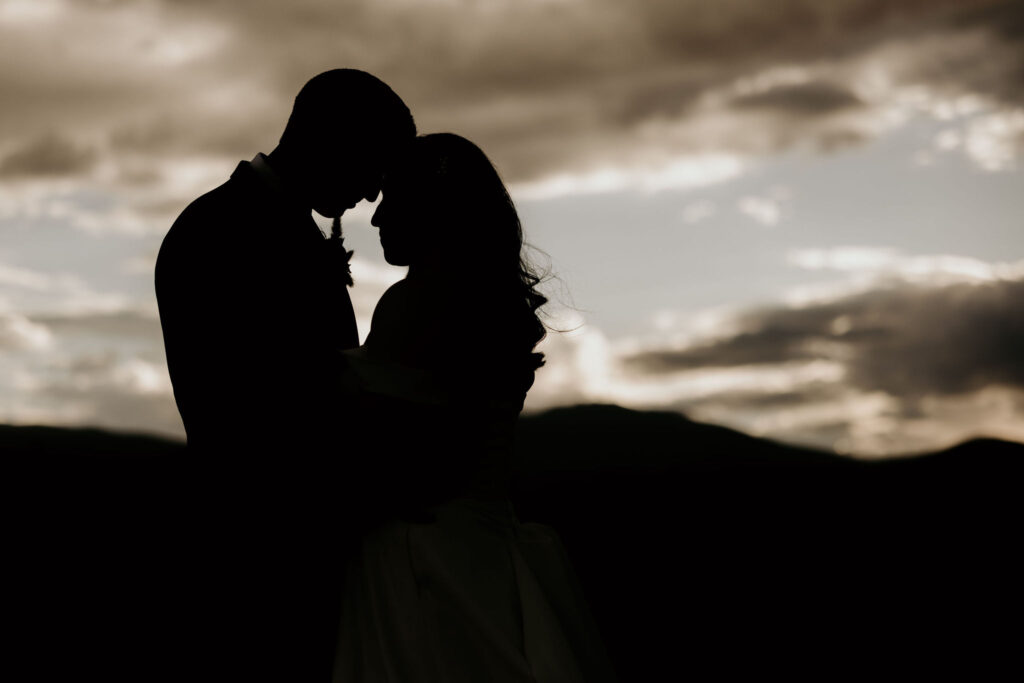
(221, 201)
(198, 230)
(210, 216)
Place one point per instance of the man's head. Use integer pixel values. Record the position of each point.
(344, 127)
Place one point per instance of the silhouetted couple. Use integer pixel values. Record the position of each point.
(350, 519)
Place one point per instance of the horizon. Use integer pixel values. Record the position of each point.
(982, 440)
(801, 222)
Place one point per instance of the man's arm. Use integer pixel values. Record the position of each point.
(197, 297)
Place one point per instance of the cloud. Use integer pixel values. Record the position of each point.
(122, 324)
(995, 141)
(680, 174)
(851, 258)
(867, 424)
(909, 341)
(698, 211)
(101, 389)
(805, 99)
(564, 96)
(19, 333)
(766, 209)
(763, 210)
(585, 366)
(887, 262)
(56, 292)
(48, 155)
(28, 12)
(25, 278)
(100, 368)
(894, 365)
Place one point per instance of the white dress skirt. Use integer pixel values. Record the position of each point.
(471, 595)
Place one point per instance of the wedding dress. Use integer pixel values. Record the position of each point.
(454, 588)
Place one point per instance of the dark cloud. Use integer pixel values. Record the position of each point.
(542, 86)
(909, 341)
(758, 402)
(772, 343)
(48, 155)
(232, 134)
(804, 99)
(1005, 18)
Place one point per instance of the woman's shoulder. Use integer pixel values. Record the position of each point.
(398, 289)
(402, 302)
(395, 296)
(413, 323)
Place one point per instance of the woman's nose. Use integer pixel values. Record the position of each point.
(375, 220)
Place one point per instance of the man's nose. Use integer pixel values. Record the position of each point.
(375, 219)
(372, 195)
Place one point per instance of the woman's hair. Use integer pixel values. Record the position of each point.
(480, 242)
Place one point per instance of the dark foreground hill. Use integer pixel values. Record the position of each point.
(704, 552)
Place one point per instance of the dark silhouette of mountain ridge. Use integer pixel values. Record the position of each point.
(700, 549)
(574, 437)
(603, 435)
(48, 440)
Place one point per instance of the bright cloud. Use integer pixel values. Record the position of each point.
(698, 211)
(762, 210)
(682, 173)
(994, 141)
(19, 333)
(885, 261)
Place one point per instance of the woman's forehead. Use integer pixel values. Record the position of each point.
(408, 173)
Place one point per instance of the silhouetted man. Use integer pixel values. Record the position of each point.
(254, 306)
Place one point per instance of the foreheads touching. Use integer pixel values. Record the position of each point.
(344, 126)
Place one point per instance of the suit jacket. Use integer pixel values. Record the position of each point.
(253, 313)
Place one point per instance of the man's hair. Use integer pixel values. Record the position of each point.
(341, 107)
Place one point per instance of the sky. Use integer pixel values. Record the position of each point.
(800, 219)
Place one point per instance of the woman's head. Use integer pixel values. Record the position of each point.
(446, 213)
(444, 205)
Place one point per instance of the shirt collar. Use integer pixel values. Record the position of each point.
(267, 174)
(275, 183)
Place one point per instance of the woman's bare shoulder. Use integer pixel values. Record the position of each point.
(413, 302)
(405, 299)
(403, 323)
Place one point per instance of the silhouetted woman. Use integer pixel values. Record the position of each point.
(446, 583)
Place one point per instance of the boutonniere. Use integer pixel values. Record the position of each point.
(340, 257)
